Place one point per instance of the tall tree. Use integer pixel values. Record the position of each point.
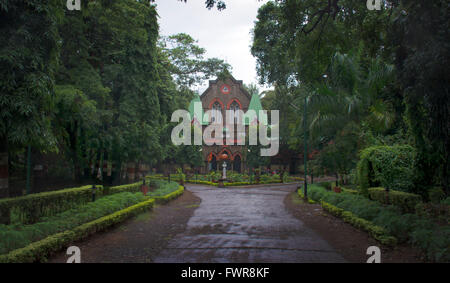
(423, 61)
(28, 53)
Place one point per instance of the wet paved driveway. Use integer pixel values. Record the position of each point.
(246, 225)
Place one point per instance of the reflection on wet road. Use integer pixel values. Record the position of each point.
(246, 225)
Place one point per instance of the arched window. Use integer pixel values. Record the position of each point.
(216, 112)
(235, 107)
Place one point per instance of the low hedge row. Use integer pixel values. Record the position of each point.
(302, 195)
(170, 196)
(433, 239)
(15, 236)
(407, 202)
(30, 208)
(377, 232)
(226, 184)
(233, 184)
(200, 182)
(40, 250)
(350, 191)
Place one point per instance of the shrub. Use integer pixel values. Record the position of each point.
(326, 185)
(436, 195)
(377, 232)
(405, 201)
(168, 197)
(386, 166)
(28, 209)
(349, 191)
(431, 238)
(202, 182)
(40, 250)
(19, 235)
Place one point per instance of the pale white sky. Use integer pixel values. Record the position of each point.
(224, 34)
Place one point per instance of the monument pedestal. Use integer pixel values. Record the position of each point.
(220, 184)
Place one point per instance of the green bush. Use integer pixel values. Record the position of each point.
(29, 209)
(326, 185)
(386, 166)
(377, 232)
(18, 235)
(168, 197)
(164, 188)
(407, 202)
(40, 250)
(202, 182)
(405, 227)
(349, 191)
(436, 195)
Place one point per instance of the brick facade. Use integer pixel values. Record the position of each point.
(225, 93)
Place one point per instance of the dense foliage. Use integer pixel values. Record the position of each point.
(368, 78)
(98, 86)
(433, 239)
(391, 167)
(20, 235)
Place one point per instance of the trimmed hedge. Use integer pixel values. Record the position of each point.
(30, 208)
(386, 166)
(40, 250)
(377, 232)
(200, 182)
(170, 196)
(236, 184)
(433, 239)
(407, 202)
(326, 185)
(350, 191)
(16, 236)
(302, 195)
(226, 184)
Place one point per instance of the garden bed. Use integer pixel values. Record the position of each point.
(421, 232)
(34, 242)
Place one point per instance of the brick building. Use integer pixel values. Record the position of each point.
(222, 95)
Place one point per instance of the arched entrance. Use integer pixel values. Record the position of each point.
(237, 163)
(213, 163)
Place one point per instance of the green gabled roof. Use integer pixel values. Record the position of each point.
(255, 105)
(199, 114)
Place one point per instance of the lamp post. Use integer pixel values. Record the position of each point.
(305, 141)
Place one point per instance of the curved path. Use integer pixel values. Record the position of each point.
(247, 224)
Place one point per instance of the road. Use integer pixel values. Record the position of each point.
(246, 225)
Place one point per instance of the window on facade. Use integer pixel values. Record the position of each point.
(235, 107)
(216, 113)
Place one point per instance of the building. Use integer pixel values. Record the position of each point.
(222, 95)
